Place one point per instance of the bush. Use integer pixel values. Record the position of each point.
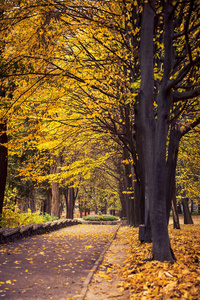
(12, 218)
(100, 218)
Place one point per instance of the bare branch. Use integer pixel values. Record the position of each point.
(181, 96)
(183, 72)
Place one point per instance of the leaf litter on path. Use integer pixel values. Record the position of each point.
(54, 265)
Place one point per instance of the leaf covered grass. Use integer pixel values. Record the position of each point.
(100, 218)
(149, 279)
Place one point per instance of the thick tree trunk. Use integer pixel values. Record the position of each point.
(70, 201)
(161, 243)
(186, 211)
(3, 161)
(70, 198)
(140, 182)
(155, 137)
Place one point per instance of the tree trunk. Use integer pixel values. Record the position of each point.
(179, 209)
(70, 198)
(55, 199)
(140, 182)
(192, 206)
(129, 190)
(55, 168)
(32, 201)
(32, 204)
(155, 132)
(48, 202)
(174, 139)
(81, 212)
(186, 211)
(121, 188)
(175, 210)
(3, 161)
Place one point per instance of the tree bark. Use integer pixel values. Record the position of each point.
(48, 202)
(3, 161)
(55, 168)
(176, 222)
(129, 190)
(155, 131)
(70, 201)
(123, 201)
(174, 139)
(186, 211)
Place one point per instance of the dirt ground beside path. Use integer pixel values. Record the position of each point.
(54, 265)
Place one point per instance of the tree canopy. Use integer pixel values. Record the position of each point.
(98, 91)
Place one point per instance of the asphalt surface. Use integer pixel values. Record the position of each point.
(55, 265)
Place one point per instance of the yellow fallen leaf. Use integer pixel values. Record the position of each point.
(8, 282)
(87, 247)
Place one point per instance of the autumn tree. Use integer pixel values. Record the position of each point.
(130, 69)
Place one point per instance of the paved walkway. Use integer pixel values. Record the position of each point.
(52, 266)
(108, 282)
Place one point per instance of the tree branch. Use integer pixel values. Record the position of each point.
(183, 72)
(177, 96)
(190, 127)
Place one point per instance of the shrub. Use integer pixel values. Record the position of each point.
(12, 218)
(100, 218)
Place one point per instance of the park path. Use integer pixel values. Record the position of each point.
(53, 265)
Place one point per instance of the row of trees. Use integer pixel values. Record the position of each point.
(102, 87)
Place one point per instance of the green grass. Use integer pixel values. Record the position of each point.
(100, 218)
